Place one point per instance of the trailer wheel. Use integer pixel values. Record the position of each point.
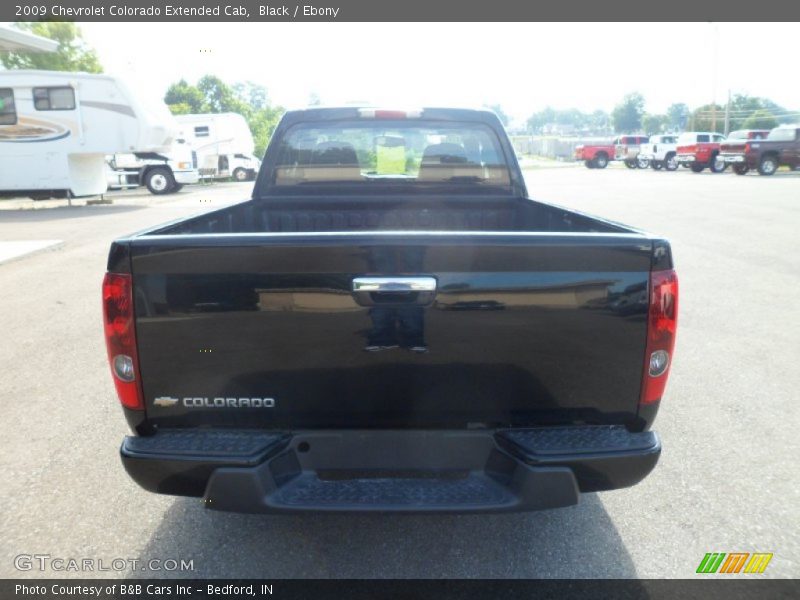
(671, 162)
(741, 169)
(239, 174)
(159, 180)
(768, 165)
(601, 160)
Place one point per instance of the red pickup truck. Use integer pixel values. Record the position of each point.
(700, 149)
(733, 149)
(624, 148)
(595, 156)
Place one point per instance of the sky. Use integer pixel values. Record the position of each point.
(524, 67)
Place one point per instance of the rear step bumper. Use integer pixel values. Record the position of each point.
(390, 471)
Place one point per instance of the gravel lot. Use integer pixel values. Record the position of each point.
(726, 481)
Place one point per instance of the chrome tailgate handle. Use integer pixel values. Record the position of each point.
(394, 284)
(372, 291)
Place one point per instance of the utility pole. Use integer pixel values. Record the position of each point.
(715, 41)
(728, 115)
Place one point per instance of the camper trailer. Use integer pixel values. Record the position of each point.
(223, 143)
(56, 129)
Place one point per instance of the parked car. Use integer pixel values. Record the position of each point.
(595, 156)
(700, 149)
(626, 149)
(661, 152)
(781, 147)
(732, 149)
(390, 323)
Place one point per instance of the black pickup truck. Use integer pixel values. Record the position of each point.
(389, 324)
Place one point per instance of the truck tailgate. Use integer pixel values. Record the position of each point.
(265, 330)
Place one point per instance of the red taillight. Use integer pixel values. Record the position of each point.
(662, 322)
(121, 338)
(746, 148)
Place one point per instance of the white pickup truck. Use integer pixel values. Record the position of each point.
(661, 151)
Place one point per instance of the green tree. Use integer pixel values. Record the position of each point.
(220, 97)
(252, 94)
(183, 98)
(742, 107)
(627, 115)
(652, 124)
(703, 119)
(538, 120)
(262, 125)
(760, 119)
(678, 116)
(72, 53)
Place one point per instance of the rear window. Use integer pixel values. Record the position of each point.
(391, 152)
(8, 112)
(782, 134)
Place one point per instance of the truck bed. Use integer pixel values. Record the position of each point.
(297, 214)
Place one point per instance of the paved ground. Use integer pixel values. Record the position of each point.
(726, 481)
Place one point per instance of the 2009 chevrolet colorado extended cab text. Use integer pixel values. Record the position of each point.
(390, 324)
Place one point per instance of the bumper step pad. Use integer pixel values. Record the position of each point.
(213, 444)
(556, 441)
(474, 490)
(390, 470)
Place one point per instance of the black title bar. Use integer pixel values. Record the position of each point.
(396, 10)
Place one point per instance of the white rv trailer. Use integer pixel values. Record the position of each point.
(223, 143)
(56, 129)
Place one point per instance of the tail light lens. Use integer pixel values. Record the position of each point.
(373, 113)
(121, 338)
(662, 323)
(747, 148)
